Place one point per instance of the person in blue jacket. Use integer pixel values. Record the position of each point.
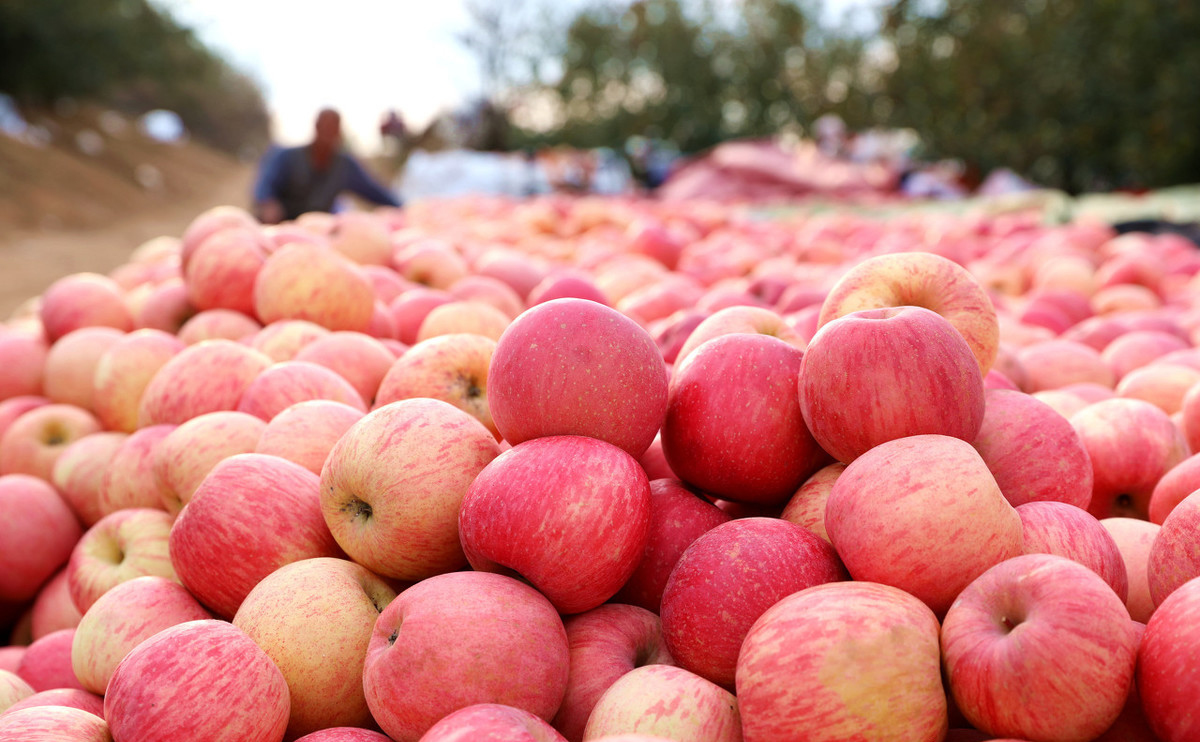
(295, 180)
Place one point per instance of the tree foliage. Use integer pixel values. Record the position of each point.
(130, 54)
(1080, 94)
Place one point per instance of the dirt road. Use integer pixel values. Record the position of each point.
(32, 260)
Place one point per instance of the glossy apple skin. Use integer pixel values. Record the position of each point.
(34, 441)
(923, 514)
(122, 546)
(68, 697)
(606, 643)
(913, 375)
(1175, 555)
(727, 578)
(877, 636)
(37, 535)
(807, 507)
(200, 666)
(345, 734)
(1167, 660)
(453, 368)
(54, 724)
(667, 701)
(1134, 539)
(284, 384)
(734, 427)
(570, 514)
(186, 456)
(495, 722)
(575, 367)
(121, 619)
(923, 280)
(206, 377)
(314, 619)
(123, 373)
(510, 647)
(79, 472)
(1071, 532)
(1179, 482)
(46, 664)
(314, 283)
(392, 487)
(678, 517)
(1032, 451)
(1131, 444)
(306, 432)
(1039, 647)
(250, 516)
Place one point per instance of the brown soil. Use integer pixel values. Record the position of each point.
(63, 212)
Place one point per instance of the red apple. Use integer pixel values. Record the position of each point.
(1071, 532)
(220, 272)
(921, 280)
(463, 317)
(71, 365)
(914, 375)
(410, 309)
(314, 619)
(284, 384)
(284, 339)
(122, 546)
(207, 377)
(54, 724)
(395, 508)
(807, 507)
(734, 426)
(1032, 451)
(24, 354)
(570, 514)
(1179, 482)
(575, 367)
(931, 496)
(1166, 677)
(677, 518)
(35, 440)
(189, 452)
(83, 300)
(46, 664)
(313, 283)
(203, 665)
(1131, 444)
(509, 647)
(494, 722)
(129, 480)
(453, 368)
(606, 643)
(124, 372)
(666, 701)
(1039, 647)
(123, 618)
(250, 516)
(727, 578)
(1175, 555)
(306, 432)
(53, 609)
(218, 324)
(739, 320)
(359, 359)
(1134, 539)
(63, 697)
(876, 636)
(37, 533)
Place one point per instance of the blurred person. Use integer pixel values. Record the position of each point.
(295, 180)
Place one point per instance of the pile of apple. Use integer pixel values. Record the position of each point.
(586, 469)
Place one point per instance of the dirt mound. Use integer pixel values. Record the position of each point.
(99, 188)
(98, 167)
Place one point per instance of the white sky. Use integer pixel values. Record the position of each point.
(360, 56)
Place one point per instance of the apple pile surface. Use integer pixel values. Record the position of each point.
(606, 469)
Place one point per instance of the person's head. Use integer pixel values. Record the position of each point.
(328, 128)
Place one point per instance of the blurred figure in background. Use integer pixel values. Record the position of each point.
(295, 180)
